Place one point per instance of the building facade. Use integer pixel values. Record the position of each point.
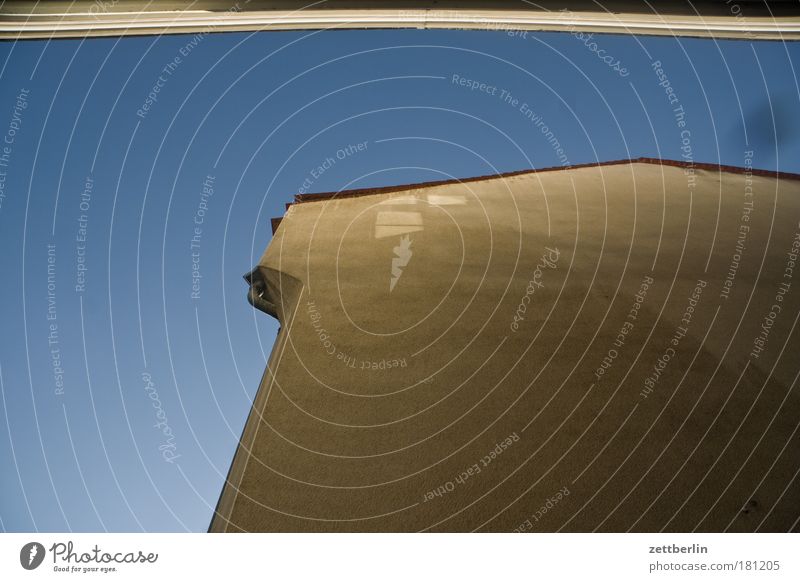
(608, 347)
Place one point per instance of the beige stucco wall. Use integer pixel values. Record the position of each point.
(472, 392)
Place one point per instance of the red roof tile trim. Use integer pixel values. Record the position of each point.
(302, 198)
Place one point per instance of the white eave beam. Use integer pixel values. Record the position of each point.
(93, 23)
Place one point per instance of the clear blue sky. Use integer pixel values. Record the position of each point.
(257, 113)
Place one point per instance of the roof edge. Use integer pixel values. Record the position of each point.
(301, 198)
(354, 193)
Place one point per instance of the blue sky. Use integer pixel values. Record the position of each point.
(126, 414)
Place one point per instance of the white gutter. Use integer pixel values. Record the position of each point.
(174, 22)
